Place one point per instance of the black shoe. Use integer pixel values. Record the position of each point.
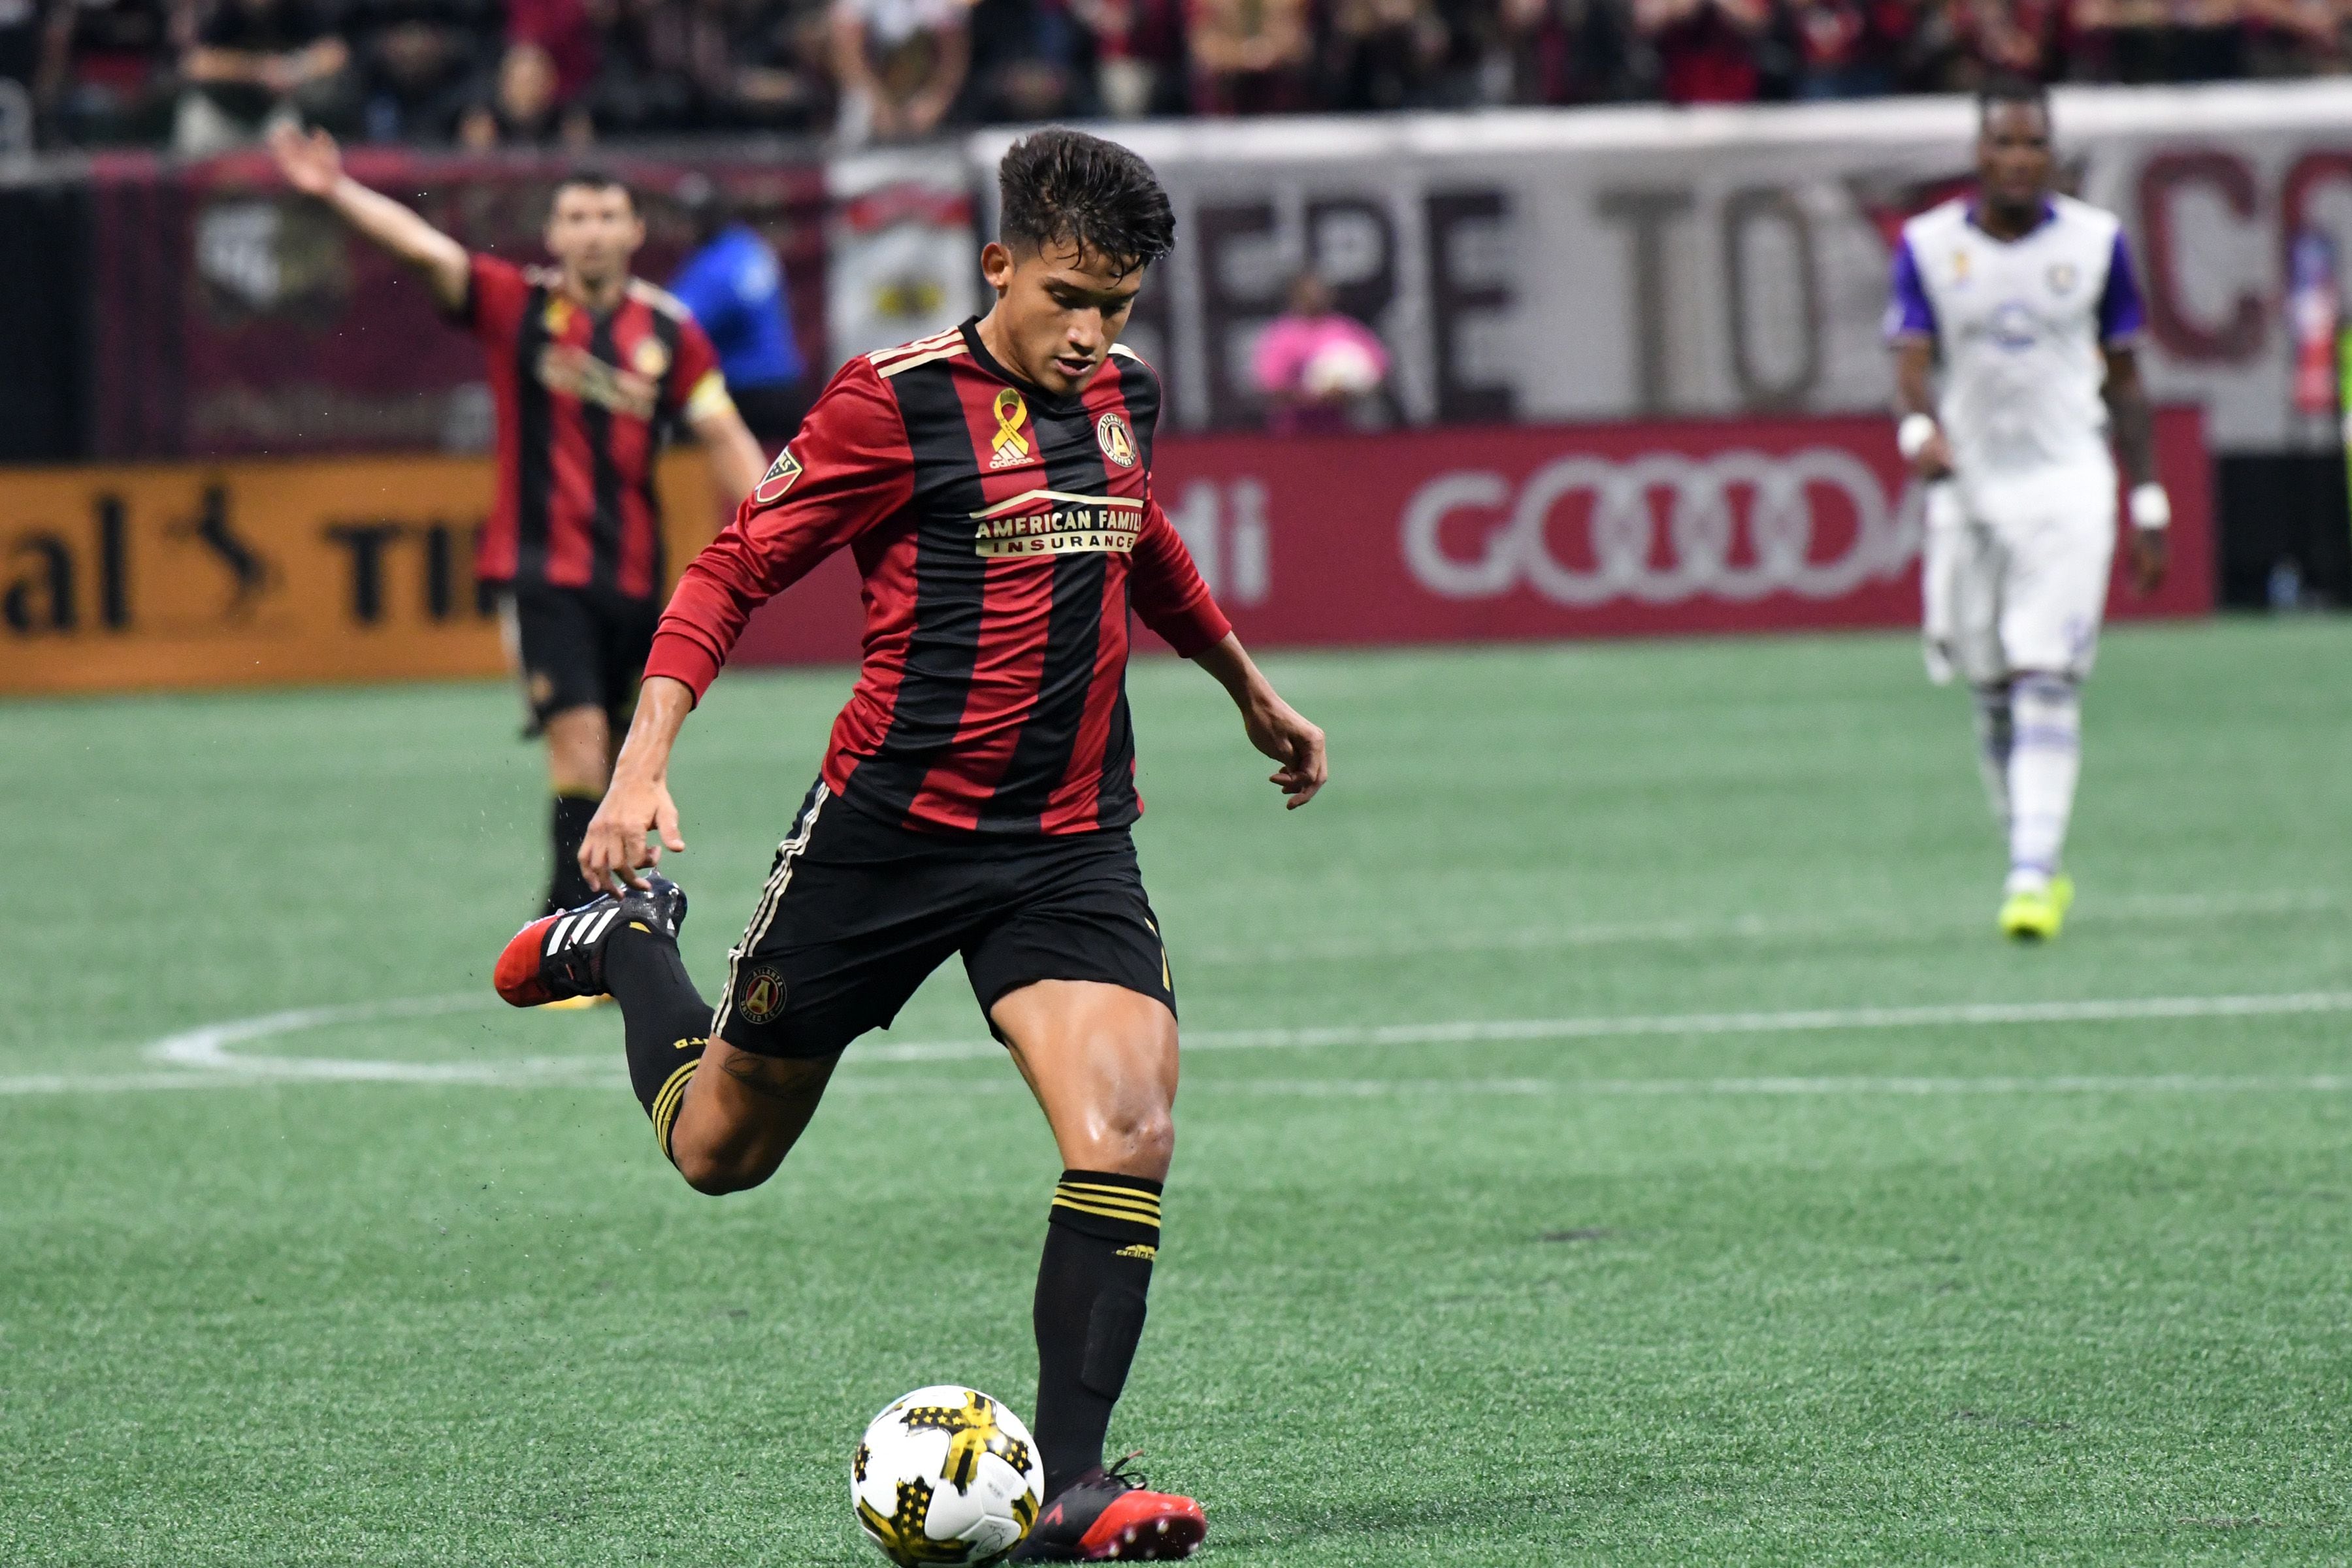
(1106, 1516)
(559, 956)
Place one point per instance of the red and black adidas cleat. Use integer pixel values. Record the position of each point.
(1106, 1516)
(559, 956)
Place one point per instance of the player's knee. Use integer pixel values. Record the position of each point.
(716, 1172)
(1138, 1139)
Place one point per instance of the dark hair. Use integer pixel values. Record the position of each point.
(1066, 187)
(592, 180)
(2006, 89)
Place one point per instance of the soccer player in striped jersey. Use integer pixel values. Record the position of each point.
(591, 370)
(993, 484)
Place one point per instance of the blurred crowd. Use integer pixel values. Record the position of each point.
(204, 75)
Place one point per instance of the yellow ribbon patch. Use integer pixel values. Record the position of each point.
(1010, 444)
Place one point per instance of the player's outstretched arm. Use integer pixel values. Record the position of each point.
(616, 852)
(1274, 727)
(313, 164)
(2133, 421)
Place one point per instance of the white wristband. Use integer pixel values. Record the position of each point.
(2151, 509)
(1911, 436)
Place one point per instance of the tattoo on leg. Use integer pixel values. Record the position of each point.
(769, 1079)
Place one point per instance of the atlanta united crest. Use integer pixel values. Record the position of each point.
(763, 996)
(1117, 441)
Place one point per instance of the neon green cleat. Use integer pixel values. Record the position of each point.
(2035, 914)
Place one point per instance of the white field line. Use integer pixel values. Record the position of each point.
(2139, 909)
(1963, 1015)
(1600, 1088)
(201, 1057)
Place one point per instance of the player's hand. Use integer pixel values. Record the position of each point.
(311, 163)
(1280, 732)
(1935, 460)
(2151, 556)
(616, 851)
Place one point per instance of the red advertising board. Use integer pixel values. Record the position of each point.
(1530, 533)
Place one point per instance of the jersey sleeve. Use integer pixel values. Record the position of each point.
(1909, 312)
(1166, 589)
(695, 386)
(2122, 313)
(847, 471)
(496, 295)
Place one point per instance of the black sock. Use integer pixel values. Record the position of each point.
(667, 1022)
(567, 825)
(1101, 1237)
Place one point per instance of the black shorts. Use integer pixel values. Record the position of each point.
(858, 911)
(579, 648)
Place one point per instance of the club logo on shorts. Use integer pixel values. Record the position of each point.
(2062, 277)
(649, 357)
(778, 479)
(1118, 443)
(763, 996)
(1011, 445)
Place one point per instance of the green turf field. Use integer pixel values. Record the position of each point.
(1683, 1173)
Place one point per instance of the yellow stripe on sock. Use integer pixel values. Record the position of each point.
(666, 1102)
(1117, 1200)
(1132, 1218)
(1128, 1196)
(1132, 1194)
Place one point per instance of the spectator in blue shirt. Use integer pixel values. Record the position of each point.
(735, 287)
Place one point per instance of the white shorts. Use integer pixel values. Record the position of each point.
(2018, 581)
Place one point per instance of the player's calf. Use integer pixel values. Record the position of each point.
(743, 1117)
(623, 946)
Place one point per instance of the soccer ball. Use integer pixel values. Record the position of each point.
(1342, 368)
(946, 1475)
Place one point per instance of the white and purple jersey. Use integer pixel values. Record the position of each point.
(2022, 325)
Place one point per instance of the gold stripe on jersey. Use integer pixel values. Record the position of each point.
(936, 354)
(937, 340)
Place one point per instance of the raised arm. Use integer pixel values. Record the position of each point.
(313, 164)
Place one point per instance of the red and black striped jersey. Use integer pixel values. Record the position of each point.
(584, 403)
(1003, 534)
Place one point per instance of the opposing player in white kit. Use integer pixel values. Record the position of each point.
(2028, 298)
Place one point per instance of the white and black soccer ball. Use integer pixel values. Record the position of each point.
(946, 1475)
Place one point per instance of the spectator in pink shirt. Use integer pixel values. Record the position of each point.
(1315, 364)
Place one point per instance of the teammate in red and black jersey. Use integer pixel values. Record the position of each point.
(590, 371)
(993, 484)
